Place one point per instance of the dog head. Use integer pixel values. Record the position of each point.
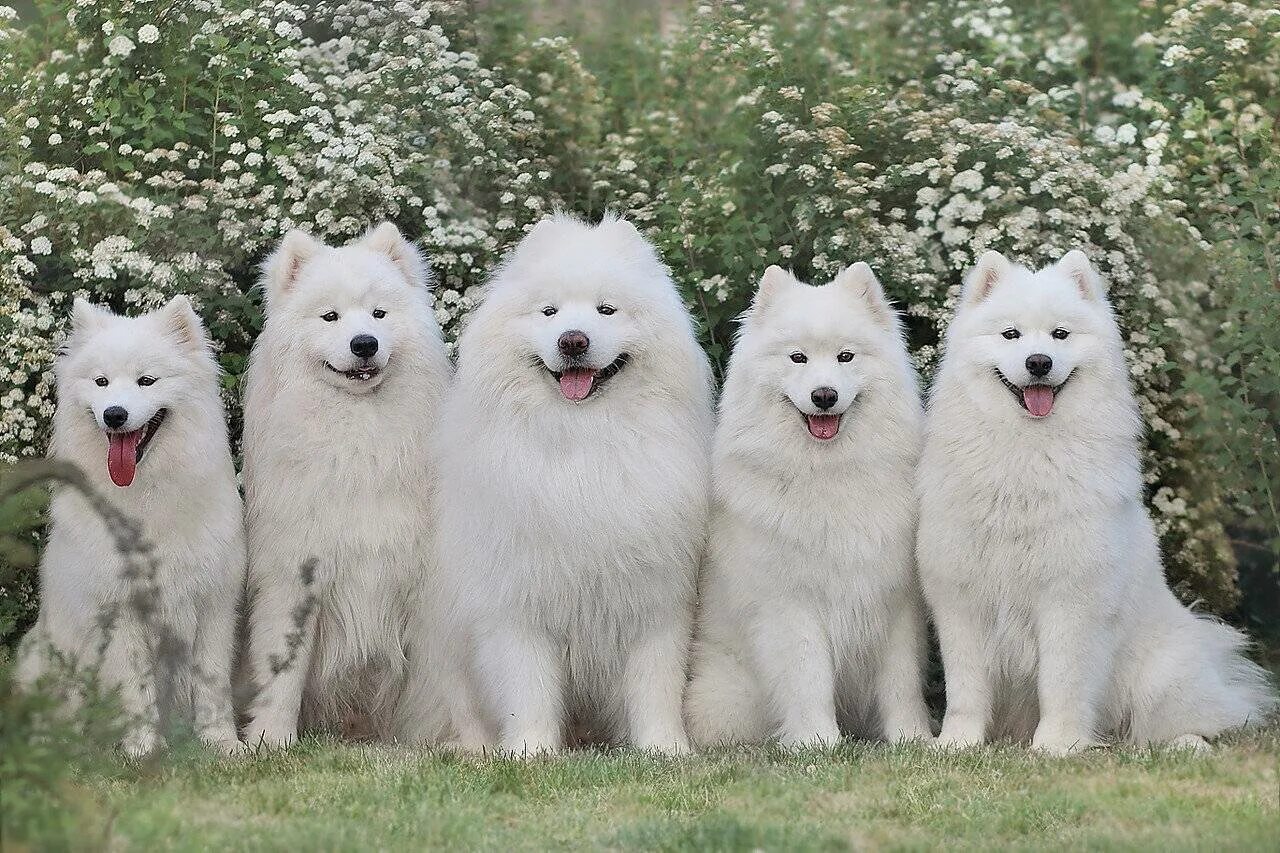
(814, 351)
(128, 376)
(577, 312)
(344, 310)
(1023, 338)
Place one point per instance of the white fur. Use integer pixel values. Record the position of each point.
(339, 470)
(570, 532)
(184, 497)
(810, 617)
(1038, 559)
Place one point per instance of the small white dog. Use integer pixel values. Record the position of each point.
(343, 389)
(1038, 559)
(810, 616)
(575, 450)
(143, 393)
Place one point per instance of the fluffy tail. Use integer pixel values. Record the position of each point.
(722, 704)
(1198, 681)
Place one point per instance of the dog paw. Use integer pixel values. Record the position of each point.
(269, 735)
(140, 742)
(1190, 743)
(1060, 742)
(670, 745)
(955, 742)
(225, 743)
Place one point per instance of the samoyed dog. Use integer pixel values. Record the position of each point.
(141, 395)
(810, 619)
(574, 482)
(1037, 557)
(343, 388)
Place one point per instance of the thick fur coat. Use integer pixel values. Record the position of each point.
(140, 415)
(1037, 556)
(574, 476)
(810, 616)
(343, 388)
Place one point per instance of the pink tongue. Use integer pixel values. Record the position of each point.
(122, 455)
(1039, 399)
(575, 384)
(823, 426)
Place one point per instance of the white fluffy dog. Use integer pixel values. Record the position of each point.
(343, 389)
(1037, 556)
(810, 618)
(574, 486)
(143, 394)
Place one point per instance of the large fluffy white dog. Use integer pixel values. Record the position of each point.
(574, 487)
(141, 396)
(1037, 556)
(810, 618)
(343, 389)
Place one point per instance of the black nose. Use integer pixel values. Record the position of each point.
(574, 343)
(115, 416)
(1039, 364)
(824, 398)
(364, 345)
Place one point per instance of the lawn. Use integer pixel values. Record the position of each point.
(325, 795)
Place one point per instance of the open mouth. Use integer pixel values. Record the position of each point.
(579, 383)
(1036, 398)
(126, 449)
(358, 374)
(822, 427)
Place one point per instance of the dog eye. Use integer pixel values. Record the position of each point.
(1011, 334)
(1060, 334)
(101, 382)
(606, 309)
(799, 357)
(378, 313)
(330, 317)
(549, 311)
(144, 381)
(844, 357)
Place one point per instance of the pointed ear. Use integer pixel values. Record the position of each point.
(281, 268)
(992, 268)
(861, 281)
(775, 278)
(183, 323)
(86, 317)
(387, 240)
(1076, 265)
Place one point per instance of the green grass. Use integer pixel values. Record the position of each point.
(325, 795)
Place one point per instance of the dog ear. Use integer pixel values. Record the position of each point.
(86, 317)
(1076, 265)
(775, 278)
(183, 323)
(387, 240)
(861, 281)
(991, 270)
(281, 268)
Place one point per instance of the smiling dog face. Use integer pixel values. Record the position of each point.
(810, 353)
(346, 308)
(128, 376)
(1025, 338)
(577, 315)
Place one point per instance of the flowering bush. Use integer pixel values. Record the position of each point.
(148, 148)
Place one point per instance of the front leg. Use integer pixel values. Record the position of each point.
(653, 682)
(129, 663)
(211, 664)
(968, 675)
(282, 625)
(793, 658)
(1075, 651)
(900, 680)
(523, 670)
